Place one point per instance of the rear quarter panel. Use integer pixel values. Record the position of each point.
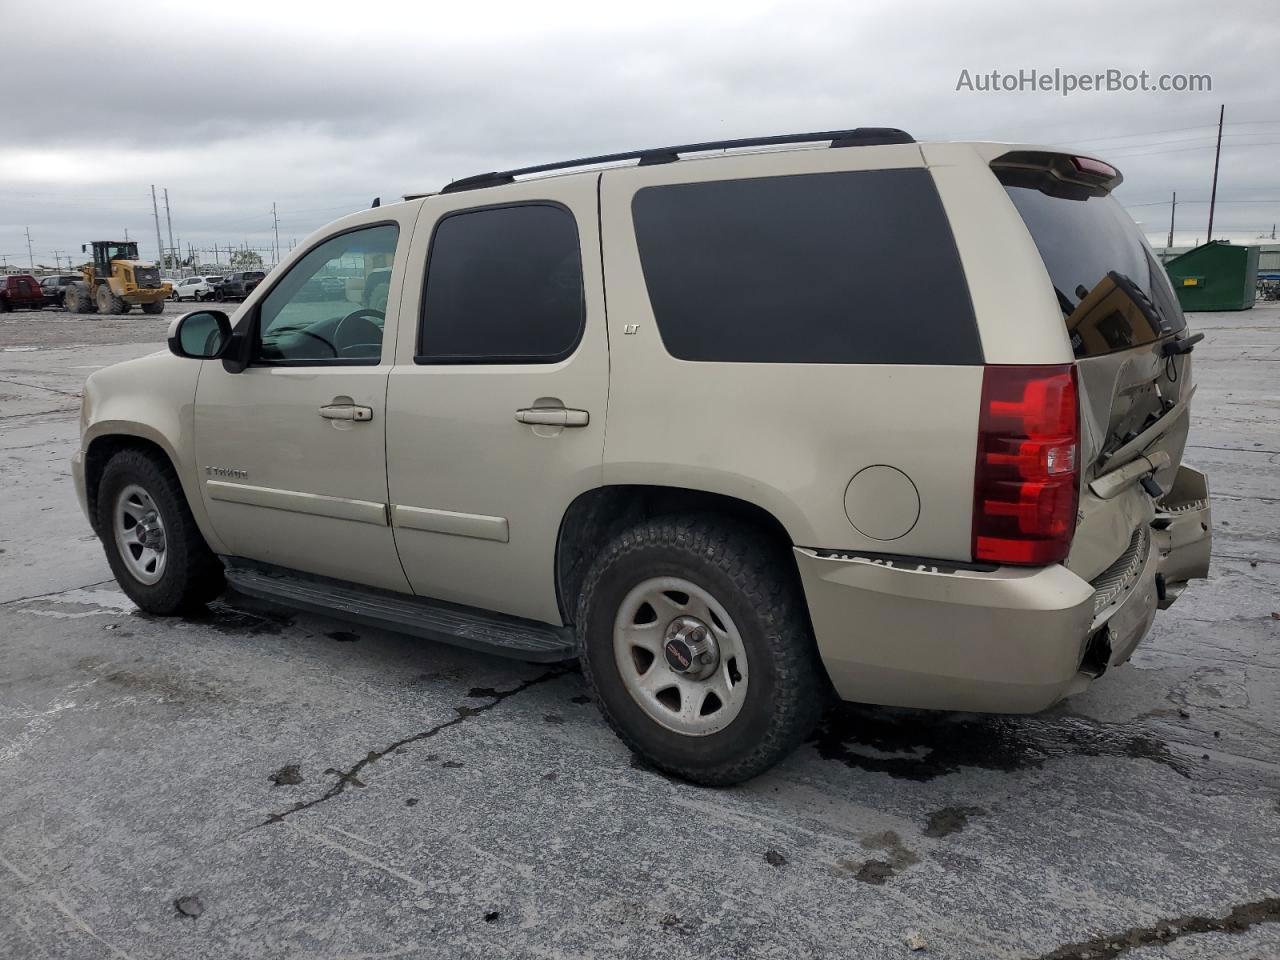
(786, 437)
(1018, 317)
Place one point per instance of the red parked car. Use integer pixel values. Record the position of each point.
(20, 290)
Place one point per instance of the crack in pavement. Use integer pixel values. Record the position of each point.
(36, 386)
(351, 777)
(1110, 946)
(55, 593)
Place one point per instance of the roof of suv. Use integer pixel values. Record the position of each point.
(856, 137)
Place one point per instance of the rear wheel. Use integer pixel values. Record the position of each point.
(157, 307)
(696, 641)
(153, 545)
(78, 299)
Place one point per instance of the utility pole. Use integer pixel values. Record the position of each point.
(1172, 213)
(155, 210)
(30, 256)
(1213, 196)
(276, 256)
(173, 253)
(57, 258)
(126, 234)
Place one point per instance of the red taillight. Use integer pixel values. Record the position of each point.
(1026, 484)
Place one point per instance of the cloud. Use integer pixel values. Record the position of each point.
(319, 107)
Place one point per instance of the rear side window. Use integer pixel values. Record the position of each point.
(1113, 294)
(504, 285)
(856, 267)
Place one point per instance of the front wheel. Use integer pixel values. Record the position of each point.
(153, 545)
(108, 302)
(156, 307)
(695, 638)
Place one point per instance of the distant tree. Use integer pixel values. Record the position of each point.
(245, 258)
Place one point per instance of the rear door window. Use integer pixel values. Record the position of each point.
(504, 285)
(1113, 294)
(849, 267)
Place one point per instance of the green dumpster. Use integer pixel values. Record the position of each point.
(1215, 276)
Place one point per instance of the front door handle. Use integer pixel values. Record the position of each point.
(346, 411)
(553, 416)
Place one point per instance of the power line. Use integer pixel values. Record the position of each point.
(1207, 146)
(1111, 151)
(1160, 203)
(1156, 133)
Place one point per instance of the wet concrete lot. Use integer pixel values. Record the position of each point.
(259, 783)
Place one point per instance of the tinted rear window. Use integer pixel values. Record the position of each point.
(854, 267)
(1113, 294)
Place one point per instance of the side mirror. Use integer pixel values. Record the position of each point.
(201, 335)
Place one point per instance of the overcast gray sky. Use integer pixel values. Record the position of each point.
(319, 107)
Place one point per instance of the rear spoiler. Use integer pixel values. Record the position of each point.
(1066, 175)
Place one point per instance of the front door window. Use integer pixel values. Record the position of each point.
(318, 312)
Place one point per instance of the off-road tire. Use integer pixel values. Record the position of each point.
(78, 299)
(153, 308)
(4, 305)
(753, 578)
(193, 575)
(108, 302)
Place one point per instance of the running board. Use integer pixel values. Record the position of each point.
(460, 626)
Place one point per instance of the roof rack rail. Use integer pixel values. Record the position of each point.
(857, 137)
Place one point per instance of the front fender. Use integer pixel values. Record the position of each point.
(151, 399)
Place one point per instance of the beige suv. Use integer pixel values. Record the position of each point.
(735, 424)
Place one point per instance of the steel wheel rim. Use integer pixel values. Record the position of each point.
(678, 701)
(140, 534)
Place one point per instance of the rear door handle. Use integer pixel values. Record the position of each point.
(553, 416)
(346, 411)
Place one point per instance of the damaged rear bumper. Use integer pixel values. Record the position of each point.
(1007, 640)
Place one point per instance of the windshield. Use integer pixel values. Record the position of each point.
(1113, 294)
(122, 251)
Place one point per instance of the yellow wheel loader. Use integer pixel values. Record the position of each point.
(116, 281)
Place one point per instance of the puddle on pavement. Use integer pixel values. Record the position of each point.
(153, 679)
(921, 745)
(949, 820)
(894, 858)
